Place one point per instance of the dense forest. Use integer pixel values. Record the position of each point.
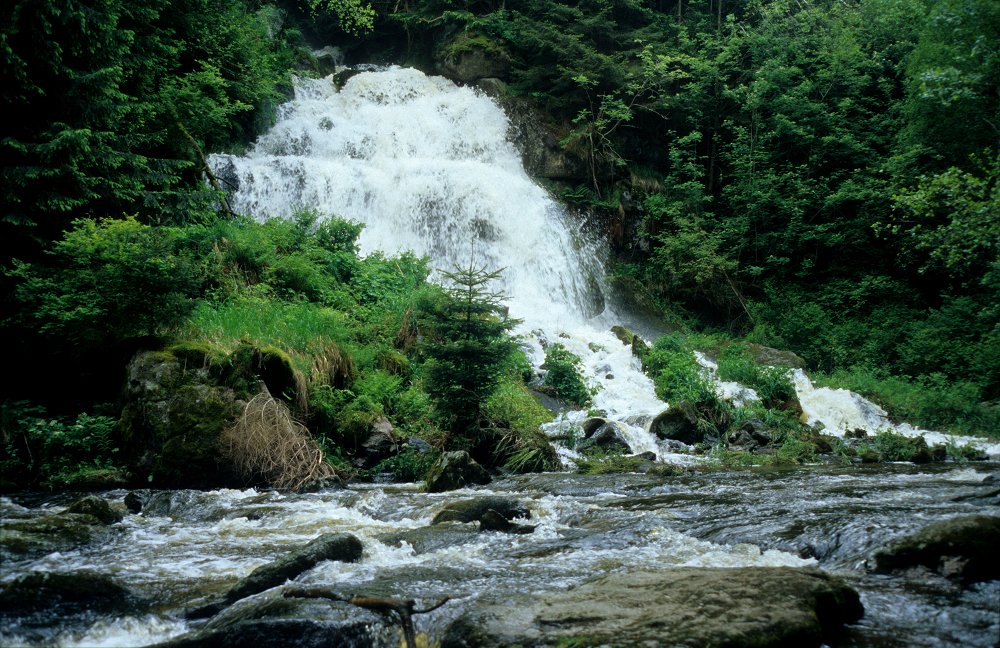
(813, 176)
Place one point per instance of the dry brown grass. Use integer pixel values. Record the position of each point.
(266, 443)
(333, 366)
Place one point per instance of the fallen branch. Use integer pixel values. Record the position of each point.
(404, 609)
(212, 178)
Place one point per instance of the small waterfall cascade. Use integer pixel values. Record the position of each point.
(426, 166)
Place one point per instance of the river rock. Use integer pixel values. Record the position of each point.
(97, 507)
(430, 538)
(493, 521)
(751, 435)
(380, 444)
(343, 547)
(963, 548)
(472, 510)
(608, 437)
(269, 620)
(454, 470)
(67, 591)
(678, 422)
(36, 536)
(688, 606)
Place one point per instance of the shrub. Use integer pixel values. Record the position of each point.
(563, 375)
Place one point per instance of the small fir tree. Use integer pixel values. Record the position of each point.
(467, 345)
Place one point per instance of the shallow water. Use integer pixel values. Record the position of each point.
(586, 526)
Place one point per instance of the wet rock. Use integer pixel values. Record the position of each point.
(431, 538)
(380, 444)
(536, 137)
(678, 422)
(473, 510)
(493, 521)
(269, 620)
(343, 547)
(751, 606)
(97, 507)
(606, 437)
(592, 425)
(36, 536)
(961, 548)
(134, 501)
(455, 470)
(467, 59)
(67, 591)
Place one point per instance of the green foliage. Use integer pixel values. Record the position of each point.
(110, 280)
(54, 451)
(771, 383)
(466, 344)
(410, 465)
(112, 104)
(563, 375)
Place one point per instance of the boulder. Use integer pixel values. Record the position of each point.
(962, 548)
(343, 547)
(607, 437)
(775, 357)
(269, 620)
(37, 536)
(678, 422)
(468, 58)
(380, 444)
(173, 415)
(688, 606)
(430, 538)
(473, 510)
(751, 435)
(67, 591)
(493, 521)
(98, 508)
(455, 470)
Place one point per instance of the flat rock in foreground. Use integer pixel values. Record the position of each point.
(751, 606)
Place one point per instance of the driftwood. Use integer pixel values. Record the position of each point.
(403, 609)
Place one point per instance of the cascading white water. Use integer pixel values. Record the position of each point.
(426, 166)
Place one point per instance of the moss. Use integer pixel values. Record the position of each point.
(469, 42)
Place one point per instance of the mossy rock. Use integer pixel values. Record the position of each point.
(272, 366)
(171, 423)
(963, 548)
(468, 57)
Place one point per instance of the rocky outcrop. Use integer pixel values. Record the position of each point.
(66, 591)
(342, 547)
(473, 510)
(455, 470)
(467, 58)
(535, 137)
(962, 548)
(34, 536)
(679, 423)
(752, 606)
(768, 356)
(430, 538)
(604, 434)
(172, 419)
(380, 444)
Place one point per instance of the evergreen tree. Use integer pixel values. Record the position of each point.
(467, 345)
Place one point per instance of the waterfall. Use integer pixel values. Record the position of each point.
(426, 166)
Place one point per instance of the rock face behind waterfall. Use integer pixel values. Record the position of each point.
(753, 606)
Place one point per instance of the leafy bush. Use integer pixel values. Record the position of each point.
(563, 375)
(772, 384)
(110, 280)
(54, 451)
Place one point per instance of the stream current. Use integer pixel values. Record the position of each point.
(426, 167)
